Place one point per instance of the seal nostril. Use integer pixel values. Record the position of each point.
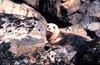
(47, 46)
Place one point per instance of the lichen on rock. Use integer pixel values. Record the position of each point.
(21, 25)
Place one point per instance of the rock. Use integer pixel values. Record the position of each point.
(85, 21)
(6, 57)
(84, 6)
(98, 32)
(75, 18)
(27, 32)
(89, 56)
(20, 9)
(33, 3)
(59, 54)
(91, 14)
(59, 8)
(94, 9)
(94, 26)
(16, 8)
(21, 25)
(71, 5)
(77, 30)
(64, 53)
(87, 13)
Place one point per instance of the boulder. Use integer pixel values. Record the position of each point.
(94, 9)
(59, 8)
(21, 25)
(77, 30)
(71, 5)
(94, 26)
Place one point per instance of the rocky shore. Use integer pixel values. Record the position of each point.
(23, 29)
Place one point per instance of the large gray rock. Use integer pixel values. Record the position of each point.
(21, 25)
(94, 9)
(88, 12)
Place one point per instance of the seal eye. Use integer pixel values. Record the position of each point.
(54, 27)
(47, 26)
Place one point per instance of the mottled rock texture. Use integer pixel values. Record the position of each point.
(21, 25)
(77, 30)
